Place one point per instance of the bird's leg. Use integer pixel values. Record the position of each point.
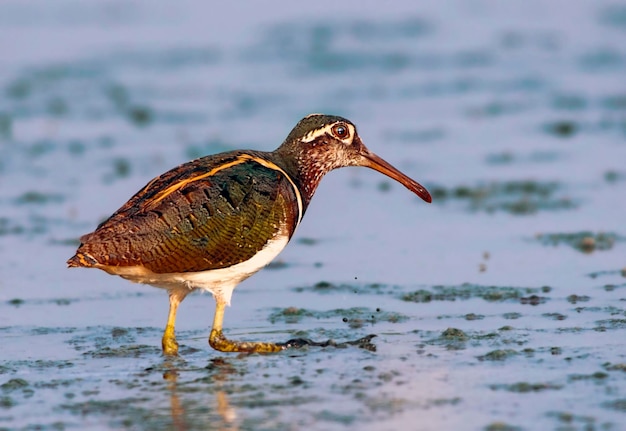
(170, 346)
(218, 341)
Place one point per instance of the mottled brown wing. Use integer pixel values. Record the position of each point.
(207, 214)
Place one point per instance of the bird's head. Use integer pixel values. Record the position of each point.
(320, 143)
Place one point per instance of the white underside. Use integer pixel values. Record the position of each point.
(220, 282)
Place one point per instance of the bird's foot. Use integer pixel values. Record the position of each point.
(362, 343)
(169, 344)
(218, 341)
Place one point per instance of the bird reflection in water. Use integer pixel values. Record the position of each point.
(220, 370)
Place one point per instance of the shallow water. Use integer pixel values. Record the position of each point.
(501, 306)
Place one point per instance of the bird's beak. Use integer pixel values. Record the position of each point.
(372, 161)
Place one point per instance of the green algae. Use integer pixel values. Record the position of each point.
(16, 302)
(525, 387)
(575, 299)
(290, 315)
(38, 197)
(463, 291)
(277, 264)
(140, 115)
(502, 426)
(123, 412)
(451, 339)
(598, 376)
(454, 334)
(612, 287)
(468, 291)
(610, 324)
(498, 355)
(569, 102)
(10, 367)
(9, 227)
(571, 419)
(521, 197)
(130, 351)
(533, 300)
(562, 128)
(329, 416)
(7, 402)
(14, 384)
(555, 316)
(327, 287)
(457, 339)
(355, 317)
(584, 241)
(613, 176)
(6, 126)
(618, 405)
(615, 367)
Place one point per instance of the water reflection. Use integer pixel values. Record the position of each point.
(182, 414)
(226, 412)
(176, 408)
(221, 372)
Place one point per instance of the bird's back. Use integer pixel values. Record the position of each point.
(210, 213)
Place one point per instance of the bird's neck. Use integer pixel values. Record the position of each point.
(306, 168)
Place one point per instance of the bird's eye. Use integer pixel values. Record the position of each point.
(341, 131)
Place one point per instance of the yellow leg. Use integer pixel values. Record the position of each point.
(218, 341)
(170, 346)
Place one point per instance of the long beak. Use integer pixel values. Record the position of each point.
(372, 161)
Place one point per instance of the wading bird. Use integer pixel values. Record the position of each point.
(212, 222)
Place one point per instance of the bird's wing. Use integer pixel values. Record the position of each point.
(208, 214)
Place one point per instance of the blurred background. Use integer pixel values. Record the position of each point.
(499, 306)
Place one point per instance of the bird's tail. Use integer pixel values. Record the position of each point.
(81, 259)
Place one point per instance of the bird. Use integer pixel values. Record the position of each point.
(210, 223)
